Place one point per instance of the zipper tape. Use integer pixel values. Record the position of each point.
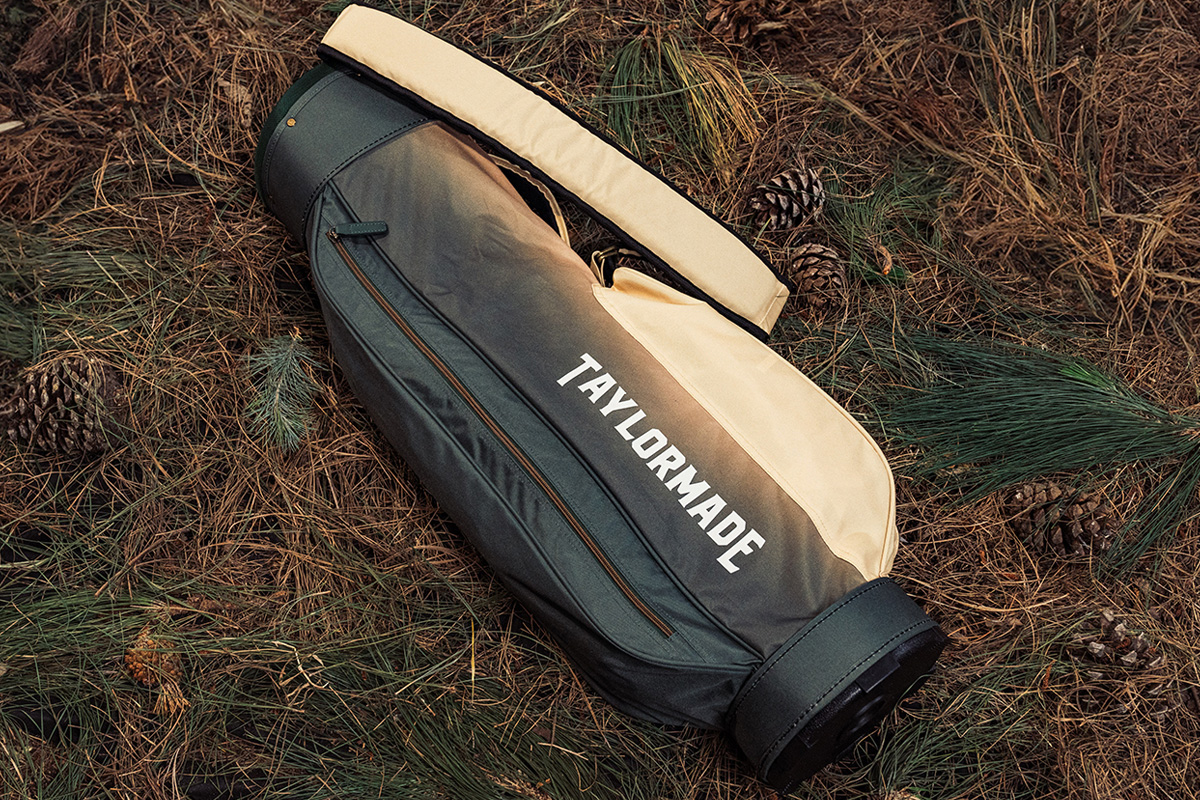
(335, 235)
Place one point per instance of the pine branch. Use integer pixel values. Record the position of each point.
(284, 389)
(1158, 514)
(701, 100)
(1014, 413)
(987, 417)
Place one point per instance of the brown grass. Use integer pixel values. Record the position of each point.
(1059, 173)
(1072, 129)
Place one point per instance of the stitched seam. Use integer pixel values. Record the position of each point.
(779, 657)
(803, 714)
(312, 197)
(301, 102)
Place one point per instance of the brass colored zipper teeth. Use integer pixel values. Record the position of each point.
(500, 434)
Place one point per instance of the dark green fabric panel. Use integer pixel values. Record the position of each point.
(336, 119)
(820, 661)
(278, 117)
(687, 678)
(504, 279)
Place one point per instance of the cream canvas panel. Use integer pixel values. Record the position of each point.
(616, 186)
(805, 441)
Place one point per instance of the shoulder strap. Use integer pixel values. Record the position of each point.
(671, 230)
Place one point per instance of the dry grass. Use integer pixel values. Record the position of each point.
(1024, 171)
(1070, 131)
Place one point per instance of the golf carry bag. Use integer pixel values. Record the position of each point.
(701, 528)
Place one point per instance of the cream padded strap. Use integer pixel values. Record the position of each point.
(652, 212)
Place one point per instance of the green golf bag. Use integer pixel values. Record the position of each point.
(701, 528)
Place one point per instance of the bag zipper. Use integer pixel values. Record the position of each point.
(335, 234)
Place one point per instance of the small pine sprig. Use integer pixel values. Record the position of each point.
(282, 375)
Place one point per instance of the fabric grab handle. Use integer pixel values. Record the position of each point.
(671, 228)
(560, 221)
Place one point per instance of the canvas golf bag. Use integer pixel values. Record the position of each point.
(701, 528)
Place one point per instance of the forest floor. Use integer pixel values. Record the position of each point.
(1014, 191)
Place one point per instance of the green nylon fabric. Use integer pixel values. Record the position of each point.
(750, 655)
(278, 116)
(335, 119)
(687, 678)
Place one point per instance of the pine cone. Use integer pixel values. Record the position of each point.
(151, 662)
(67, 404)
(1109, 642)
(752, 22)
(1121, 670)
(1059, 523)
(818, 274)
(792, 198)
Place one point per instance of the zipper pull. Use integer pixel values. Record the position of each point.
(378, 228)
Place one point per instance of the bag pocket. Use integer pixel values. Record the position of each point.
(515, 487)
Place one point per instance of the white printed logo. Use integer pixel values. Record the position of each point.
(667, 462)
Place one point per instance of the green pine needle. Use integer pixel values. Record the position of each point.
(897, 214)
(1015, 413)
(988, 417)
(1159, 514)
(702, 101)
(20, 334)
(283, 390)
